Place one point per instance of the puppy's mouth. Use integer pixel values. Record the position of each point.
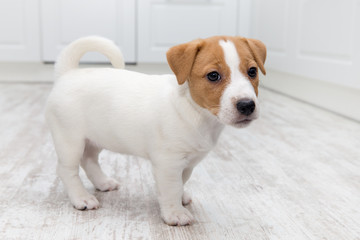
(243, 122)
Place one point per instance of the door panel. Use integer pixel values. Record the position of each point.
(19, 27)
(165, 23)
(66, 20)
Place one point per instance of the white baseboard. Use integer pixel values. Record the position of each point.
(339, 99)
(26, 72)
(36, 72)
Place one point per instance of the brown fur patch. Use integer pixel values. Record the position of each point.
(210, 58)
(194, 60)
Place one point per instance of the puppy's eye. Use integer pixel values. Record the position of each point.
(213, 76)
(252, 72)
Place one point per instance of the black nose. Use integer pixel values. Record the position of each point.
(246, 107)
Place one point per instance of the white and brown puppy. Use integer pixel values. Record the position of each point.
(173, 120)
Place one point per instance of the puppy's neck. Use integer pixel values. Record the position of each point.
(205, 123)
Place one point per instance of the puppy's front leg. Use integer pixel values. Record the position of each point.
(170, 191)
(186, 199)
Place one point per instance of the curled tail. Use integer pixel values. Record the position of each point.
(69, 58)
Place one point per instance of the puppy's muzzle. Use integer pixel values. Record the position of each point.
(246, 106)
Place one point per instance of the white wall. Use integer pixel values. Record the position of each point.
(313, 38)
(315, 43)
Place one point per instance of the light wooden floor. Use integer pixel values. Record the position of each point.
(294, 174)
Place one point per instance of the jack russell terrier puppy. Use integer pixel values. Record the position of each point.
(173, 120)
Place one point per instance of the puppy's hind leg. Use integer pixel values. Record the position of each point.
(70, 149)
(90, 164)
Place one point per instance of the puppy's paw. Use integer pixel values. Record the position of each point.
(186, 199)
(108, 184)
(177, 217)
(85, 202)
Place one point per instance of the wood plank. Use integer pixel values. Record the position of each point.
(293, 174)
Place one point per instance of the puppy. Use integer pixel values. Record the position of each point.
(173, 120)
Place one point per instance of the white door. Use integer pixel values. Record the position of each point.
(318, 39)
(165, 23)
(65, 20)
(19, 30)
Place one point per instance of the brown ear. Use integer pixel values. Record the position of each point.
(259, 52)
(181, 59)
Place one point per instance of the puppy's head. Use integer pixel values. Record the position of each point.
(222, 74)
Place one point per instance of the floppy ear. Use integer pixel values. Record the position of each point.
(258, 50)
(181, 59)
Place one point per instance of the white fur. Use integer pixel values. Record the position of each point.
(239, 88)
(148, 116)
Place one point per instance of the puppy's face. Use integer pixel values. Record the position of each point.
(222, 74)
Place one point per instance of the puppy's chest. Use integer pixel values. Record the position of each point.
(201, 142)
(195, 157)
